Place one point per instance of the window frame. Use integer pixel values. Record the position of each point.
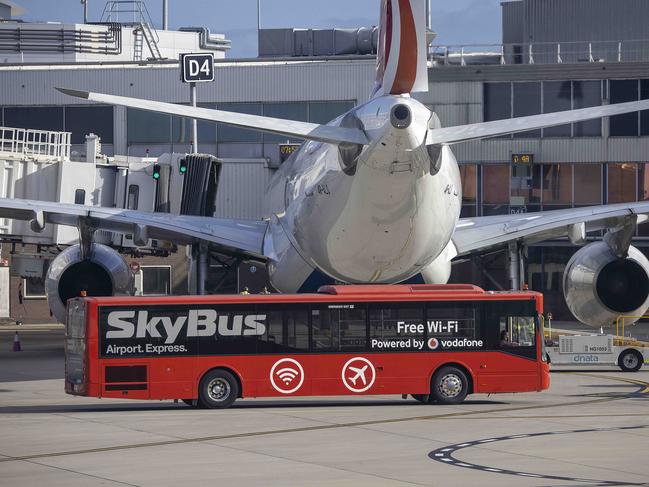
(149, 266)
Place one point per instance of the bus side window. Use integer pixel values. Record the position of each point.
(272, 340)
(297, 330)
(353, 328)
(517, 331)
(325, 329)
(385, 320)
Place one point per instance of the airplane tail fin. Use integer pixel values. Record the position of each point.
(401, 65)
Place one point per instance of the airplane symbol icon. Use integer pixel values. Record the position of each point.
(360, 374)
(360, 378)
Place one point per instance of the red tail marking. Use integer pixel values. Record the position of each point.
(407, 66)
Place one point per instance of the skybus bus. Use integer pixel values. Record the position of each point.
(436, 343)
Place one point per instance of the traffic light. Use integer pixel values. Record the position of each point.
(156, 172)
(182, 166)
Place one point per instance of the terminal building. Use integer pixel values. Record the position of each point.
(554, 55)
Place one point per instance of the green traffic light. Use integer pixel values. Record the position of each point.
(156, 175)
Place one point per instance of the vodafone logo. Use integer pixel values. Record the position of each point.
(286, 376)
(358, 374)
(433, 343)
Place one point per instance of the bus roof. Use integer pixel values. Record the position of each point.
(383, 292)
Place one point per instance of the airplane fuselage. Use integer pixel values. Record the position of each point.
(379, 217)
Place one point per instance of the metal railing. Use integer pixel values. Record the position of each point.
(138, 17)
(18, 142)
(541, 53)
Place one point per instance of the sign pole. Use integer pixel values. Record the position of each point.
(194, 130)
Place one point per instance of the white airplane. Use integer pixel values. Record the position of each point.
(360, 374)
(372, 197)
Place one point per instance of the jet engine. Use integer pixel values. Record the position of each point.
(102, 273)
(599, 286)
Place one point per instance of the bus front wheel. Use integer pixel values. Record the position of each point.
(449, 385)
(218, 390)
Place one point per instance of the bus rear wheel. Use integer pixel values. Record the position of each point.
(218, 390)
(630, 361)
(449, 385)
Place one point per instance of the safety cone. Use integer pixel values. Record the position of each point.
(16, 343)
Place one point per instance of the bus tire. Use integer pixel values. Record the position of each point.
(450, 385)
(218, 389)
(630, 360)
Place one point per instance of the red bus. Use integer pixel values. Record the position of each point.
(437, 343)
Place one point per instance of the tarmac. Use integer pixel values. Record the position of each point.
(590, 428)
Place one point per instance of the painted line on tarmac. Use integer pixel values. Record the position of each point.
(643, 384)
(445, 455)
(321, 427)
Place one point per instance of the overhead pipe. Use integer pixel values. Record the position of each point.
(206, 41)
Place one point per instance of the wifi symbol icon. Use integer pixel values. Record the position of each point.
(287, 375)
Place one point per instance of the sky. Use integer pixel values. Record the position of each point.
(455, 21)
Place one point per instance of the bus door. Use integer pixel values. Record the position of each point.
(283, 364)
(339, 350)
(511, 330)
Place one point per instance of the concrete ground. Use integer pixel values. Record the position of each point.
(590, 428)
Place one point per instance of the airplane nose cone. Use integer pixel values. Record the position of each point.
(401, 116)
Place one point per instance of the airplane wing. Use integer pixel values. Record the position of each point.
(464, 133)
(481, 233)
(291, 128)
(241, 236)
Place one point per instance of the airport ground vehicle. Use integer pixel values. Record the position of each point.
(597, 350)
(436, 342)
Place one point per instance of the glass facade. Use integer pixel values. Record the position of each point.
(499, 189)
(153, 128)
(78, 119)
(519, 99)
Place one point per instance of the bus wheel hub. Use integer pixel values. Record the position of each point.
(450, 385)
(218, 389)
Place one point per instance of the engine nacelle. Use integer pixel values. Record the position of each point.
(599, 287)
(103, 273)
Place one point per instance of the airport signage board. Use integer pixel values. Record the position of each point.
(286, 150)
(522, 158)
(197, 68)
